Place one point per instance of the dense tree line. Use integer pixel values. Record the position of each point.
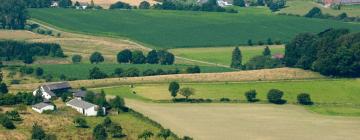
(13, 14)
(316, 12)
(19, 98)
(334, 52)
(154, 57)
(15, 50)
(38, 3)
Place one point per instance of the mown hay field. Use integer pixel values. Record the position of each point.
(248, 121)
(174, 29)
(301, 7)
(222, 55)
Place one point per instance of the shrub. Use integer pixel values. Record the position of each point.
(80, 122)
(76, 58)
(27, 70)
(6, 122)
(304, 99)
(224, 100)
(275, 96)
(195, 69)
(39, 71)
(251, 96)
(120, 5)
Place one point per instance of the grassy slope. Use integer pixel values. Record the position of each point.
(169, 29)
(336, 97)
(301, 7)
(81, 71)
(61, 125)
(222, 55)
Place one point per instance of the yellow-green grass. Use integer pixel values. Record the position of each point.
(61, 125)
(176, 29)
(331, 96)
(222, 55)
(301, 7)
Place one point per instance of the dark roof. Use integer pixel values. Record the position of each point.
(41, 105)
(47, 90)
(80, 93)
(80, 103)
(57, 86)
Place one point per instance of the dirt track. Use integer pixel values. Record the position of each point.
(248, 122)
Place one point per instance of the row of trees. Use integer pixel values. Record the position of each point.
(96, 73)
(274, 5)
(275, 96)
(154, 57)
(20, 98)
(258, 62)
(333, 52)
(210, 6)
(316, 12)
(16, 50)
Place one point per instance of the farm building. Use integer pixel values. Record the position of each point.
(328, 3)
(49, 91)
(83, 107)
(43, 106)
(79, 94)
(222, 3)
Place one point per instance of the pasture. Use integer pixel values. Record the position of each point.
(248, 121)
(222, 55)
(331, 96)
(174, 29)
(301, 7)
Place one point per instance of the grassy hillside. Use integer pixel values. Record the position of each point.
(81, 71)
(222, 55)
(301, 7)
(172, 29)
(339, 97)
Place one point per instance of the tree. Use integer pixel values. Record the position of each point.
(138, 57)
(96, 73)
(187, 92)
(13, 115)
(3, 88)
(269, 41)
(39, 71)
(118, 72)
(275, 96)
(118, 103)
(65, 3)
(174, 88)
(267, 51)
(96, 58)
(164, 133)
(124, 56)
(152, 57)
(76, 58)
(89, 96)
(314, 12)
(144, 5)
(304, 99)
(250, 43)
(37, 132)
(120, 5)
(240, 3)
(80, 122)
(165, 57)
(6, 122)
(99, 132)
(251, 95)
(13, 14)
(28, 59)
(145, 135)
(236, 60)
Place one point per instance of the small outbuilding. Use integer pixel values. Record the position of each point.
(79, 94)
(41, 107)
(83, 107)
(49, 91)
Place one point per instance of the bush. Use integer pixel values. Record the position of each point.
(195, 69)
(275, 96)
(80, 122)
(304, 99)
(6, 122)
(76, 58)
(120, 5)
(39, 71)
(251, 96)
(224, 100)
(27, 70)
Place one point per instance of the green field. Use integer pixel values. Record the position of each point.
(81, 71)
(171, 29)
(222, 55)
(339, 97)
(301, 7)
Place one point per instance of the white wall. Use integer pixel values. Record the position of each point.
(49, 107)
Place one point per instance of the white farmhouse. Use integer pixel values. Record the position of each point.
(85, 108)
(48, 91)
(41, 107)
